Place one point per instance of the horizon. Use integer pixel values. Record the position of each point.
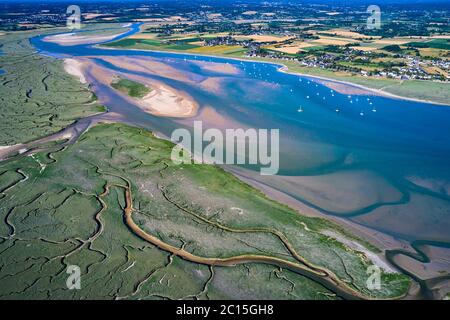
(230, 1)
(225, 150)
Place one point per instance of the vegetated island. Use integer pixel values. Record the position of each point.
(132, 88)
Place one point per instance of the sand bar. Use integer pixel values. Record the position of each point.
(224, 68)
(165, 101)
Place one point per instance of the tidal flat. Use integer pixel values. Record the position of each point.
(194, 209)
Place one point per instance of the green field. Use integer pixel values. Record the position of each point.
(132, 88)
(435, 44)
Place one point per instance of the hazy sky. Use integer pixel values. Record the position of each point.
(310, 1)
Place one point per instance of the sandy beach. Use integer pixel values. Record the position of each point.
(74, 68)
(346, 89)
(7, 150)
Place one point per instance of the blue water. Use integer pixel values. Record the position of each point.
(378, 161)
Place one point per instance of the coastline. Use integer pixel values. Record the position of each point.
(285, 69)
(378, 239)
(162, 100)
(378, 92)
(382, 241)
(75, 68)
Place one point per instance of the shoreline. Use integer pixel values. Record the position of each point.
(352, 231)
(378, 92)
(364, 232)
(378, 239)
(75, 68)
(382, 241)
(285, 69)
(162, 100)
